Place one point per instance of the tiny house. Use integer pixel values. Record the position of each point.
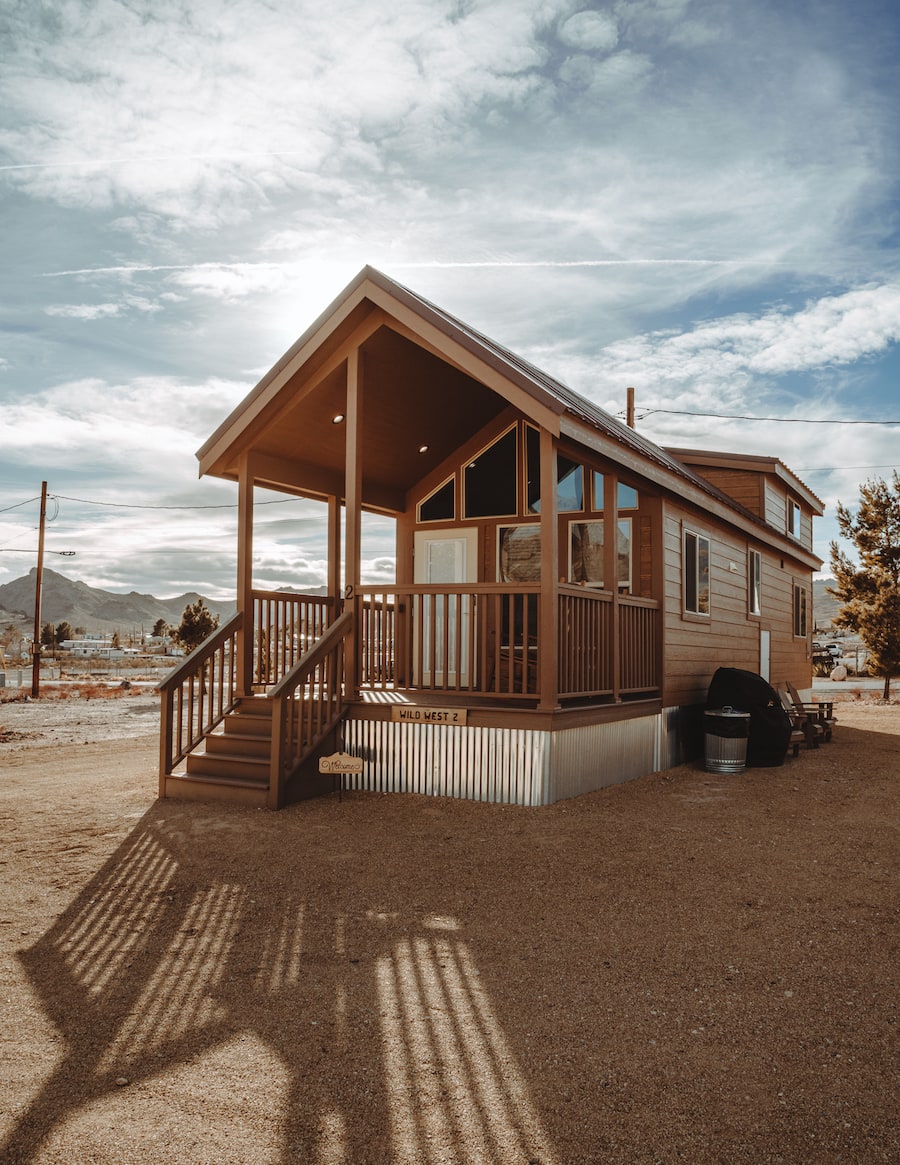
(564, 587)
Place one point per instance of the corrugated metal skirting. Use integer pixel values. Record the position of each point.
(506, 765)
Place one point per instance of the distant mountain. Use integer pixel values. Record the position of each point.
(64, 599)
(825, 606)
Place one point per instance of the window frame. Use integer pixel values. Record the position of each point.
(794, 518)
(503, 526)
(800, 610)
(693, 581)
(754, 582)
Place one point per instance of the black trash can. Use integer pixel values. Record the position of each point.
(770, 726)
(726, 733)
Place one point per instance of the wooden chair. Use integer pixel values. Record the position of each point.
(805, 728)
(823, 712)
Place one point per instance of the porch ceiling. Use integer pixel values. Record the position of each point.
(410, 398)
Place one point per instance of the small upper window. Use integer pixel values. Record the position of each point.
(793, 518)
(440, 506)
(626, 495)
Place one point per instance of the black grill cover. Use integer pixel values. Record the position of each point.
(770, 726)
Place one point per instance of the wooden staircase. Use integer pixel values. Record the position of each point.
(234, 762)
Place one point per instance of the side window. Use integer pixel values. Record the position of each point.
(754, 582)
(800, 607)
(793, 518)
(695, 566)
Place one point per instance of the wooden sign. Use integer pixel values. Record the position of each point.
(340, 762)
(405, 714)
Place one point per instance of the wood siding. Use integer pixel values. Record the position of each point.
(745, 486)
(695, 646)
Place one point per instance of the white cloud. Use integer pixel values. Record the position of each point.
(590, 31)
(100, 311)
(84, 311)
(727, 353)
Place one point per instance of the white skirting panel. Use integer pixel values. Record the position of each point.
(506, 765)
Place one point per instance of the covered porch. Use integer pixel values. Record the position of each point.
(508, 601)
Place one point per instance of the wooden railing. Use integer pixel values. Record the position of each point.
(285, 626)
(484, 639)
(307, 703)
(197, 694)
(585, 643)
(640, 630)
(480, 639)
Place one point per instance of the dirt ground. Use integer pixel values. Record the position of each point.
(687, 968)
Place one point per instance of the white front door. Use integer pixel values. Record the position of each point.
(442, 622)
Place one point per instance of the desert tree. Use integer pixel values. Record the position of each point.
(62, 632)
(160, 628)
(869, 590)
(196, 623)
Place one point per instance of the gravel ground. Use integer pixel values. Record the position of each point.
(687, 968)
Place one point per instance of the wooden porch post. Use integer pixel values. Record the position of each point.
(548, 681)
(353, 500)
(334, 553)
(244, 652)
(611, 571)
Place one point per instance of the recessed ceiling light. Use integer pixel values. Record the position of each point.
(337, 418)
(423, 448)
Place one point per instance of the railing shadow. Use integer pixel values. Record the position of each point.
(380, 1021)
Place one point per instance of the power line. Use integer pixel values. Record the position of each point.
(779, 420)
(6, 509)
(136, 506)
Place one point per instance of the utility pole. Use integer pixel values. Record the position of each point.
(629, 409)
(36, 645)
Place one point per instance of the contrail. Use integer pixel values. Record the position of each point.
(419, 265)
(94, 163)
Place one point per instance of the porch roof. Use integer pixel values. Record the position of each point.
(430, 381)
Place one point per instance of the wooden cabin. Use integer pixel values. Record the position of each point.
(564, 588)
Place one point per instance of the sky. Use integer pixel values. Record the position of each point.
(697, 198)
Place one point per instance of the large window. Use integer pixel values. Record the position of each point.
(695, 561)
(569, 477)
(490, 481)
(519, 552)
(754, 582)
(586, 552)
(800, 607)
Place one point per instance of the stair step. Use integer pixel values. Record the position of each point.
(257, 706)
(225, 764)
(196, 787)
(244, 725)
(239, 782)
(242, 743)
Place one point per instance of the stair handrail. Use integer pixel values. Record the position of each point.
(321, 713)
(186, 715)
